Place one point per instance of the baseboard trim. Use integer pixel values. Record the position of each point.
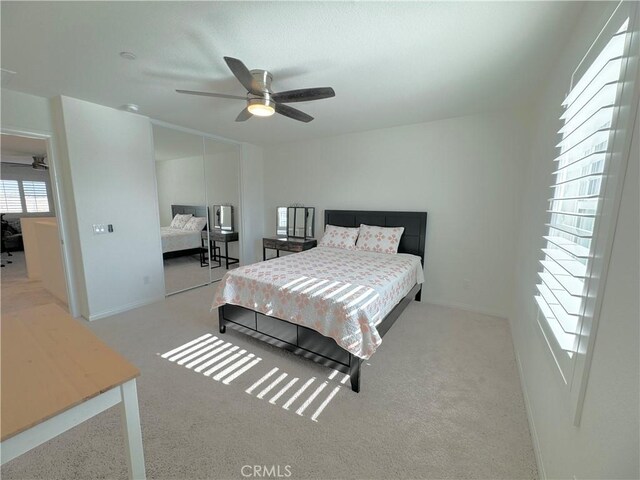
(124, 308)
(465, 307)
(542, 475)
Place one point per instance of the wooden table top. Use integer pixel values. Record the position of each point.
(50, 363)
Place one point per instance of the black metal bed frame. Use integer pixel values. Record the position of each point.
(311, 344)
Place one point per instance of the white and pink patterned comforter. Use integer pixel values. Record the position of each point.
(176, 239)
(343, 294)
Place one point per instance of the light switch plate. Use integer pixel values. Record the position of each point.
(99, 228)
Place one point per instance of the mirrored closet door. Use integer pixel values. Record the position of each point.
(222, 173)
(198, 202)
(182, 202)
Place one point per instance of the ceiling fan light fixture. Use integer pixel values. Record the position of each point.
(261, 107)
(261, 101)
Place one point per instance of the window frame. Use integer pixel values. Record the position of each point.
(575, 370)
(20, 196)
(36, 196)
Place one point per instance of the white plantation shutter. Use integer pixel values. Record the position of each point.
(10, 201)
(589, 122)
(35, 196)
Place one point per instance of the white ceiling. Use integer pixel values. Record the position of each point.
(22, 146)
(390, 63)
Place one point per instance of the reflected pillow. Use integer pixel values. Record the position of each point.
(180, 220)
(339, 237)
(379, 239)
(195, 224)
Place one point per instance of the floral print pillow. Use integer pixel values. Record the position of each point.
(379, 239)
(180, 220)
(195, 224)
(339, 237)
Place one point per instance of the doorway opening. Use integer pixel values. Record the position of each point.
(33, 269)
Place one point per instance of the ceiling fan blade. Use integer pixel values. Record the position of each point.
(244, 115)
(243, 74)
(294, 113)
(16, 164)
(208, 94)
(304, 95)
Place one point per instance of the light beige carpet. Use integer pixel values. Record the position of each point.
(440, 399)
(185, 272)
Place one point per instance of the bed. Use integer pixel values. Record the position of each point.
(330, 305)
(178, 242)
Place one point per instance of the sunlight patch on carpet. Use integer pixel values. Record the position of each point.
(208, 354)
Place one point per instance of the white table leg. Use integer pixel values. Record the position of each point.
(131, 430)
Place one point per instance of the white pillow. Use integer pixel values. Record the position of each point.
(195, 224)
(180, 220)
(339, 237)
(379, 239)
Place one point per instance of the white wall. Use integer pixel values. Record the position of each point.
(606, 445)
(180, 182)
(252, 202)
(109, 155)
(27, 112)
(465, 172)
(222, 175)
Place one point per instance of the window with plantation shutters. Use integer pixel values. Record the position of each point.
(588, 175)
(10, 201)
(589, 111)
(35, 196)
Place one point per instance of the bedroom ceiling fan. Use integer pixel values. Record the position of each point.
(261, 100)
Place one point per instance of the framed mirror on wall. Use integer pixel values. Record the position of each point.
(295, 222)
(281, 221)
(223, 218)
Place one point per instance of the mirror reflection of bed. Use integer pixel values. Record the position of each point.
(184, 247)
(196, 176)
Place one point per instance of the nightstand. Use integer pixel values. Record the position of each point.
(220, 236)
(286, 244)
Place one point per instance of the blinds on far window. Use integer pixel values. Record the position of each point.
(35, 196)
(10, 201)
(588, 122)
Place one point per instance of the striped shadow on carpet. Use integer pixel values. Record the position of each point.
(225, 362)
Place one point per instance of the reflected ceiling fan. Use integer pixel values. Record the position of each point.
(261, 100)
(39, 163)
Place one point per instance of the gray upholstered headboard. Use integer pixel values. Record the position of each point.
(195, 210)
(415, 225)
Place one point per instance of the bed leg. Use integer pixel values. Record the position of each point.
(354, 372)
(221, 323)
(418, 296)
